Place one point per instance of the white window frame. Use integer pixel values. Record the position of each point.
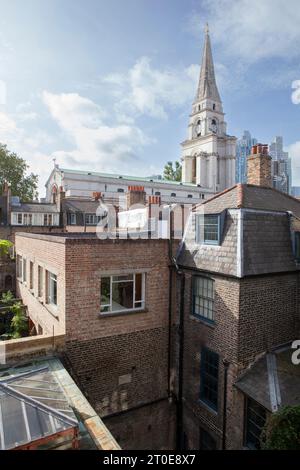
(72, 219)
(19, 267)
(24, 270)
(134, 309)
(51, 278)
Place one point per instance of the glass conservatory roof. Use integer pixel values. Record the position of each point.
(33, 406)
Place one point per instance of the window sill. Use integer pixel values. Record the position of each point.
(208, 407)
(211, 324)
(51, 310)
(122, 313)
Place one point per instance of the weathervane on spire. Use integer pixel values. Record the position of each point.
(206, 29)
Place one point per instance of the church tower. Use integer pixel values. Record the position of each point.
(208, 154)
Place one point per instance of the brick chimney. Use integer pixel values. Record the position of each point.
(135, 195)
(259, 166)
(60, 196)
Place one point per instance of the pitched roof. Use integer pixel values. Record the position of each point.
(77, 205)
(273, 368)
(36, 207)
(249, 196)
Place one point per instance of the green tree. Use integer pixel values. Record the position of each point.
(282, 430)
(5, 246)
(19, 322)
(13, 169)
(173, 172)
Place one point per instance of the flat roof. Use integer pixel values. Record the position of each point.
(64, 237)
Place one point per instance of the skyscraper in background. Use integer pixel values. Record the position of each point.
(243, 149)
(281, 166)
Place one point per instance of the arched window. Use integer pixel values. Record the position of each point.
(214, 106)
(173, 194)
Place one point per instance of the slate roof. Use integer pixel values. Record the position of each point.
(259, 243)
(76, 205)
(276, 368)
(252, 197)
(36, 207)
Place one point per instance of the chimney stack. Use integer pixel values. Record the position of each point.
(259, 170)
(135, 195)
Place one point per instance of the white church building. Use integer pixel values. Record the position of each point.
(208, 157)
(208, 154)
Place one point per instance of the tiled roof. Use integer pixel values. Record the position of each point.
(255, 383)
(256, 241)
(252, 197)
(36, 207)
(77, 205)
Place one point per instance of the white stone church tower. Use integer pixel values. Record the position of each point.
(208, 155)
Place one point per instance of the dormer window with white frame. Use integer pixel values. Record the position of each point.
(209, 228)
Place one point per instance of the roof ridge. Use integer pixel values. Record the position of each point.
(227, 190)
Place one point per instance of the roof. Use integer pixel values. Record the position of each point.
(36, 207)
(256, 224)
(252, 197)
(207, 87)
(273, 380)
(77, 205)
(130, 178)
(32, 406)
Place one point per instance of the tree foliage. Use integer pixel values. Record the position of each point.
(173, 172)
(282, 430)
(5, 246)
(13, 169)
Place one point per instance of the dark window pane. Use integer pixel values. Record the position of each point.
(138, 287)
(209, 377)
(122, 295)
(255, 421)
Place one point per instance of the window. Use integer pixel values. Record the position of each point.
(40, 281)
(157, 193)
(120, 190)
(173, 194)
(209, 378)
(19, 267)
(30, 219)
(214, 106)
(206, 441)
(122, 293)
(208, 229)
(203, 298)
(51, 288)
(255, 421)
(45, 219)
(49, 219)
(31, 275)
(20, 219)
(24, 270)
(73, 219)
(92, 219)
(25, 222)
(190, 196)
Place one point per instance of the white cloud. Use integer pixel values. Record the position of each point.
(97, 145)
(252, 29)
(296, 94)
(145, 90)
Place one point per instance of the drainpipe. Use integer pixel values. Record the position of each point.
(226, 366)
(180, 365)
(171, 267)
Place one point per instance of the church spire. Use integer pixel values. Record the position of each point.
(207, 87)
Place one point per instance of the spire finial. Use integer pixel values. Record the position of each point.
(206, 29)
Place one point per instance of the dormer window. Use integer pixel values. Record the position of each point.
(209, 228)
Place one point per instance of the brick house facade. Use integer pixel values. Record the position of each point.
(120, 360)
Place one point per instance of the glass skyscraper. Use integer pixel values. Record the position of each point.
(243, 150)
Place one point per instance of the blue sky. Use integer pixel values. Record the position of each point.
(108, 85)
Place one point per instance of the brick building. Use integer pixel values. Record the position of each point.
(197, 346)
(239, 261)
(118, 347)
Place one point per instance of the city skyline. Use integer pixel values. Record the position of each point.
(63, 96)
